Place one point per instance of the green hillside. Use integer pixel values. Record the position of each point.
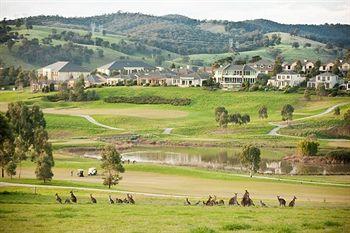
(285, 48)
(287, 51)
(41, 32)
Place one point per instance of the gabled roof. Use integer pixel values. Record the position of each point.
(158, 75)
(326, 74)
(121, 64)
(95, 78)
(65, 66)
(288, 72)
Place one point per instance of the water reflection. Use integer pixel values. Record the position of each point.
(227, 160)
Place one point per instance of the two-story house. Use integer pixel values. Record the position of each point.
(233, 76)
(286, 78)
(62, 71)
(327, 79)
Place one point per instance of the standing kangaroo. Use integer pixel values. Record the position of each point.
(233, 200)
(292, 203)
(281, 201)
(73, 198)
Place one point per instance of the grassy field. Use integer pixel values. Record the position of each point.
(193, 122)
(22, 210)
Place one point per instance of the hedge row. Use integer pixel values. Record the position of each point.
(148, 100)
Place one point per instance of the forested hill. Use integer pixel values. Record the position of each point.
(184, 35)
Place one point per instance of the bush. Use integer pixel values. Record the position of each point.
(148, 100)
(307, 147)
(339, 155)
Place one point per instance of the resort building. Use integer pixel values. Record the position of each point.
(233, 76)
(62, 71)
(286, 78)
(327, 79)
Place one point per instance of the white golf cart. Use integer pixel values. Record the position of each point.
(92, 171)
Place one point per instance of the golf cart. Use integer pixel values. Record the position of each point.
(92, 171)
(80, 173)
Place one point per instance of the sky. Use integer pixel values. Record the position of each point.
(283, 11)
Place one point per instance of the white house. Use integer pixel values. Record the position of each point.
(263, 66)
(62, 71)
(124, 67)
(286, 78)
(233, 76)
(345, 66)
(188, 80)
(327, 79)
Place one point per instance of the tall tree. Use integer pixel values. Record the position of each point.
(20, 153)
(6, 145)
(44, 167)
(112, 165)
(250, 157)
(298, 68)
(321, 91)
(277, 68)
(263, 112)
(287, 112)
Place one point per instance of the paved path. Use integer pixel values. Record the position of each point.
(280, 125)
(93, 121)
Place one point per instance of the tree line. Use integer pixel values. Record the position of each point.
(23, 136)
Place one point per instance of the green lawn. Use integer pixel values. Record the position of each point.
(193, 122)
(22, 210)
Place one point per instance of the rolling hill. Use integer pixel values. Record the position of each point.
(182, 40)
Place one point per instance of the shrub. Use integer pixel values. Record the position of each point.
(236, 227)
(339, 155)
(307, 147)
(148, 100)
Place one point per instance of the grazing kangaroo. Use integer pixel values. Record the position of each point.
(110, 200)
(187, 202)
(281, 201)
(125, 201)
(73, 198)
(262, 204)
(246, 201)
(117, 200)
(58, 199)
(197, 203)
(209, 201)
(93, 200)
(233, 200)
(67, 201)
(221, 202)
(130, 199)
(292, 203)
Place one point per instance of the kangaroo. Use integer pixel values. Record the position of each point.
(197, 203)
(262, 204)
(233, 200)
(209, 202)
(125, 201)
(246, 201)
(187, 202)
(130, 199)
(111, 200)
(58, 199)
(73, 198)
(93, 200)
(281, 201)
(67, 201)
(292, 203)
(221, 202)
(117, 200)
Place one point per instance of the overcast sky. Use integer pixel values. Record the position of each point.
(284, 11)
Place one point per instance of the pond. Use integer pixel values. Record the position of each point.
(224, 159)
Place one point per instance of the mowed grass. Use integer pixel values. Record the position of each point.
(193, 122)
(23, 211)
